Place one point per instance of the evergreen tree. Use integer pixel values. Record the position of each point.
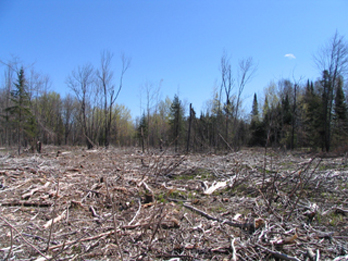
(340, 103)
(286, 111)
(176, 121)
(143, 130)
(340, 114)
(256, 126)
(286, 121)
(332, 60)
(255, 109)
(313, 120)
(327, 105)
(265, 108)
(21, 116)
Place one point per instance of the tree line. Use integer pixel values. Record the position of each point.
(293, 114)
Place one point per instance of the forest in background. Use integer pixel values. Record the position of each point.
(294, 113)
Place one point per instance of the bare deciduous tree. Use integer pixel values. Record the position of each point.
(105, 77)
(332, 61)
(245, 71)
(9, 75)
(80, 82)
(68, 109)
(152, 94)
(227, 85)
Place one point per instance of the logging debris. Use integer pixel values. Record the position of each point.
(121, 204)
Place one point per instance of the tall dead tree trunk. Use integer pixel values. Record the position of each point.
(332, 61)
(80, 82)
(227, 85)
(189, 128)
(294, 118)
(105, 77)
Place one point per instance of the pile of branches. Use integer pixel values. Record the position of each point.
(126, 205)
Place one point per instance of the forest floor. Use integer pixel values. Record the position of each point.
(68, 203)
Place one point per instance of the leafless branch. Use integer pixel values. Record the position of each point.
(26, 241)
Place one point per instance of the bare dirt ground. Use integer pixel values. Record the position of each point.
(121, 204)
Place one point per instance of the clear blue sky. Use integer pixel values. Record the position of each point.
(178, 41)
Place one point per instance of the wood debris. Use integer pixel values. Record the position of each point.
(215, 186)
(119, 204)
(54, 220)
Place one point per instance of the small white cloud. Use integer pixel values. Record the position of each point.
(290, 56)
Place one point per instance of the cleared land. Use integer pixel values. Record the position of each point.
(74, 204)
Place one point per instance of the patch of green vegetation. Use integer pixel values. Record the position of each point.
(191, 195)
(323, 167)
(173, 194)
(343, 167)
(218, 209)
(343, 185)
(318, 218)
(201, 173)
(178, 194)
(290, 166)
(328, 196)
(161, 198)
(219, 192)
(286, 163)
(184, 177)
(323, 195)
(77, 249)
(240, 188)
(335, 219)
(331, 219)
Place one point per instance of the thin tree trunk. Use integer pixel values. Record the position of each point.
(189, 129)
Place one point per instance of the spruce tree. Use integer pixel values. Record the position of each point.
(332, 61)
(340, 103)
(340, 114)
(255, 109)
(176, 121)
(256, 126)
(21, 116)
(142, 130)
(313, 120)
(265, 108)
